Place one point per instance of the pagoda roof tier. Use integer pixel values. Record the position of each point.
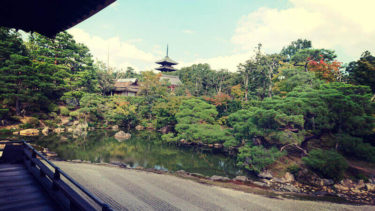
(166, 69)
(166, 60)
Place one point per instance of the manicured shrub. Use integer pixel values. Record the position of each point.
(34, 122)
(5, 132)
(257, 158)
(53, 107)
(53, 115)
(74, 114)
(26, 126)
(293, 169)
(50, 123)
(64, 111)
(354, 146)
(326, 163)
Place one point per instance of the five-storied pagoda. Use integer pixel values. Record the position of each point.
(167, 66)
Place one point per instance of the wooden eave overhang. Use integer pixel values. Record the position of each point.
(48, 17)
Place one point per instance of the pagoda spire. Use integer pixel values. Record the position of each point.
(166, 63)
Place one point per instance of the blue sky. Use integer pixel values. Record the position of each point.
(222, 33)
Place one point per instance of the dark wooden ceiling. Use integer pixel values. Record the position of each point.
(48, 17)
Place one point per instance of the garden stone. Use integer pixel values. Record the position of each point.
(29, 132)
(219, 178)
(241, 178)
(265, 174)
(288, 177)
(139, 127)
(121, 136)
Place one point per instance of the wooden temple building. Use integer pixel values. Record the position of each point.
(126, 87)
(167, 66)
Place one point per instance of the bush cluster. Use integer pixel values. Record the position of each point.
(327, 163)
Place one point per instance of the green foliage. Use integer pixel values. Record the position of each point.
(34, 122)
(92, 106)
(53, 115)
(26, 126)
(74, 114)
(50, 123)
(289, 79)
(53, 108)
(295, 46)
(257, 158)
(201, 79)
(303, 56)
(64, 111)
(196, 123)
(5, 132)
(194, 111)
(362, 72)
(293, 169)
(165, 110)
(361, 177)
(169, 137)
(270, 124)
(118, 110)
(327, 163)
(257, 73)
(105, 78)
(354, 146)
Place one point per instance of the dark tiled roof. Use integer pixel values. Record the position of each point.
(128, 84)
(174, 80)
(166, 68)
(166, 60)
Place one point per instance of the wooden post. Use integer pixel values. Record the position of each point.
(33, 156)
(56, 177)
(106, 207)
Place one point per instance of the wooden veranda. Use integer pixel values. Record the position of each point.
(29, 181)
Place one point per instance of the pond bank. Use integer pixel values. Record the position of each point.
(143, 190)
(144, 150)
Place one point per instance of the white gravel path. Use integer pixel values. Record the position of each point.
(128, 189)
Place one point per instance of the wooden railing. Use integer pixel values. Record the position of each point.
(52, 179)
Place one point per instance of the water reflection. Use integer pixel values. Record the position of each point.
(143, 149)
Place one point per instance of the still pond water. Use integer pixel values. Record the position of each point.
(143, 149)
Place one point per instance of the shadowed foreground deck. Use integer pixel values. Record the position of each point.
(29, 181)
(20, 191)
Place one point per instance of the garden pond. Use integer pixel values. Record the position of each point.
(144, 149)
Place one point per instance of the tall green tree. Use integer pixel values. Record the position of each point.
(106, 78)
(295, 46)
(258, 73)
(304, 56)
(26, 84)
(75, 58)
(362, 72)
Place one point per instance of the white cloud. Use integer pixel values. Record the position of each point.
(137, 40)
(115, 5)
(188, 31)
(121, 53)
(346, 26)
(157, 50)
(222, 62)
